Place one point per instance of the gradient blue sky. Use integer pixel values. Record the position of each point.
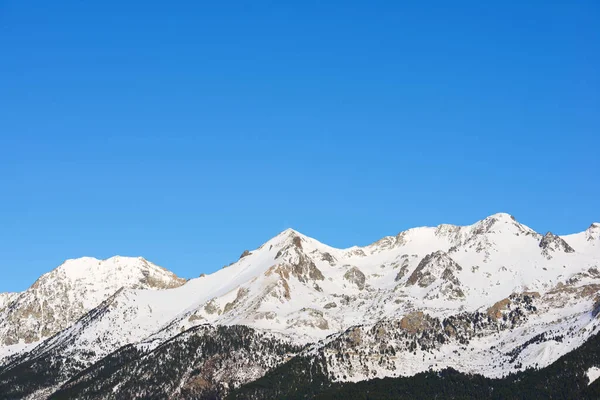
(187, 132)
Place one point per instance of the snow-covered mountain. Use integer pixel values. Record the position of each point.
(57, 299)
(489, 298)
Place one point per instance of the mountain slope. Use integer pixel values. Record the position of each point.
(203, 362)
(567, 378)
(57, 299)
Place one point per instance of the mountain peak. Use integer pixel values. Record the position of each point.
(285, 238)
(502, 216)
(497, 223)
(77, 285)
(86, 268)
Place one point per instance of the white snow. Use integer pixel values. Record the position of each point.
(593, 374)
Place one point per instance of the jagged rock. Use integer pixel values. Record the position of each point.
(328, 257)
(306, 269)
(246, 253)
(212, 307)
(551, 243)
(330, 305)
(432, 267)
(302, 266)
(596, 309)
(403, 270)
(355, 276)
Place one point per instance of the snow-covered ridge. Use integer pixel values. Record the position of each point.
(297, 288)
(58, 298)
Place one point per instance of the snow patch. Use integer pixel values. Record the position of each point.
(593, 374)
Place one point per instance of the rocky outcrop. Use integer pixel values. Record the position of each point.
(301, 265)
(416, 322)
(440, 269)
(355, 276)
(329, 258)
(596, 308)
(505, 308)
(403, 269)
(434, 266)
(246, 253)
(551, 243)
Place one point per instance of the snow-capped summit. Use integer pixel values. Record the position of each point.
(586, 241)
(59, 297)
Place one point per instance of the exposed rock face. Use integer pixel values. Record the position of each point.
(440, 269)
(363, 352)
(302, 266)
(297, 242)
(551, 243)
(403, 270)
(246, 253)
(503, 308)
(496, 310)
(60, 297)
(355, 276)
(416, 322)
(432, 267)
(305, 269)
(329, 258)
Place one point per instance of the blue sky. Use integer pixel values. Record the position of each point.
(187, 132)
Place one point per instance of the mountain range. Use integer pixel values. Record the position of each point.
(296, 318)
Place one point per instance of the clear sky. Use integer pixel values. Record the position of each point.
(186, 132)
